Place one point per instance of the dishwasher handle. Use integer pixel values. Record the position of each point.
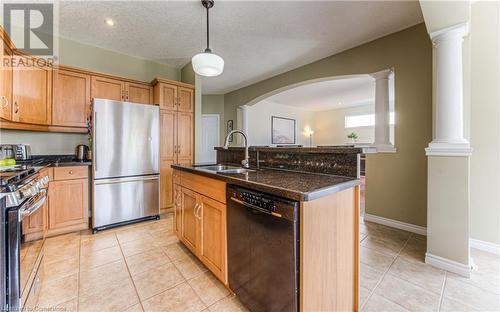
(256, 208)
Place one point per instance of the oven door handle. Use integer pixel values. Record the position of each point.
(32, 209)
(256, 208)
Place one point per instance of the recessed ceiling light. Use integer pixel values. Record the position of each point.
(340, 103)
(109, 22)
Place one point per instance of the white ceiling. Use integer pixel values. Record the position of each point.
(331, 94)
(257, 39)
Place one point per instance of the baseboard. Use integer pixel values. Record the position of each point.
(396, 224)
(448, 265)
(485, 246)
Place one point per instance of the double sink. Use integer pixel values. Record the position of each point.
(224, 169)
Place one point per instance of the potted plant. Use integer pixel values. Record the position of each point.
(353, 137)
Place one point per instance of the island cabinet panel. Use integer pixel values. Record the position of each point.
(138, 93)
(108, 88)
(213, 236)
(31, 92)
(6, 84)
(200, 219)
(190, 220)
(71, 106)
(329, 252)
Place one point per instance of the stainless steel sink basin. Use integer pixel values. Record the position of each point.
(225, 169)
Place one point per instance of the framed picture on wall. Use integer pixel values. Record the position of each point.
(282, 130)
(229, 128)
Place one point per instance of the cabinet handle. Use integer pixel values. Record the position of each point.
(126, 95)
(200, 210)
(196, 210)
(16, 107)
(5, 101)
(70, 172)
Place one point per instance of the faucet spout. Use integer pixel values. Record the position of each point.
(245, 162)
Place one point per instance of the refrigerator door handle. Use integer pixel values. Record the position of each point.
(122, 180)
(94, 142)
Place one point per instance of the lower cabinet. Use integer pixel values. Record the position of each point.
(200, 221)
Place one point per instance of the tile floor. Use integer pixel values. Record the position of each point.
(144, 268)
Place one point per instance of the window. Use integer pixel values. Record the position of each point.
(356, 121)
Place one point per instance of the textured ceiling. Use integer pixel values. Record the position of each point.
(257, 39)
(332, 94)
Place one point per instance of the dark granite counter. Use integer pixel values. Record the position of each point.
(300, 186)
(54, 161)
(340, 149)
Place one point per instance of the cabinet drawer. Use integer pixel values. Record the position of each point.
(209, 187)
(68, 173)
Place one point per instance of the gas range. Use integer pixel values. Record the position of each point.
(20, 182)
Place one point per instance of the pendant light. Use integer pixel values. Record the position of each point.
(207, 63)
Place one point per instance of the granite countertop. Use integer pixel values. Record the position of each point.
(300, 186)
(55, 161)
(334, 149)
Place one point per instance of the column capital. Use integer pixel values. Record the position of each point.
(383, 74)
(457, 31)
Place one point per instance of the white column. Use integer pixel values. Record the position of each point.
(449, 125)
(382, 119)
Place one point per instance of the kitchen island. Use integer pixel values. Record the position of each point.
(327, 221)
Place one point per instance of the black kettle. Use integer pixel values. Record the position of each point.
(81, 152)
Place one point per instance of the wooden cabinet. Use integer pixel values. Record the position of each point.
(213, 235)
(173, 96)
(200, 219)
(185, 137)
(71, 105)
(31, 92)
(5, 84)
(185, 100)
(34, 226)
(68, 200)
(138, 93)
(108, 88)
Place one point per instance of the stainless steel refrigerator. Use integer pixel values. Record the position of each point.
(125, 149)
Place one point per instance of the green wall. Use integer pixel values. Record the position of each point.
(396, 183)
(72, 53)
(214, 104)
(187, 74)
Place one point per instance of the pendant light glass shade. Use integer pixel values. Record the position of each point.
(207, 64)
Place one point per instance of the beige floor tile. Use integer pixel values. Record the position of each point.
(406, 294)
(98, 242)
(59, 254)
(61, 240)
(58, 269)
(157, 280)
(137, 246)
(471, 295)
(164, 238)
(58, 291)
(131, 234)
(375, 259)
(102, 276)
(383, 231)
(135, 308)
(363, 295)
(101, 257)
(420, 274)
(147, 260)
(68, 306)
(161, 225)
(177, 251)
(385, 245)
(369, 277)
(228, 304)
(208, 288)
(181, 298)
(190, 267)
(378, 303)
(415, 249)
(451, 305)
(116, 297)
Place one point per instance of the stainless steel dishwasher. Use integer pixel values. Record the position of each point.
(263, 251)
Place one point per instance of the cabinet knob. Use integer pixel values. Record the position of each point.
(70, 172)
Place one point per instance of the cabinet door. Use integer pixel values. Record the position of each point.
(107, 88)
(177, 211)
(6, 85)
(190, 220)
(139, 93)
(168, 157)
(213, 236)
(68, 206)
(32, 93)
(71, 105)
(185, 100)
(168, 96)
(185, 135)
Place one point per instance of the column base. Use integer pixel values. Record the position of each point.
(385, 148)
(459, 149)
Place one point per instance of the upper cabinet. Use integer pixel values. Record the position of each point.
(108, 88)
(6, 85)
(71, 106)
(139, 93)
(31, 93)
(173, 96)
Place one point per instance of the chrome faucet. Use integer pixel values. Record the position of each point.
(245, 162)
